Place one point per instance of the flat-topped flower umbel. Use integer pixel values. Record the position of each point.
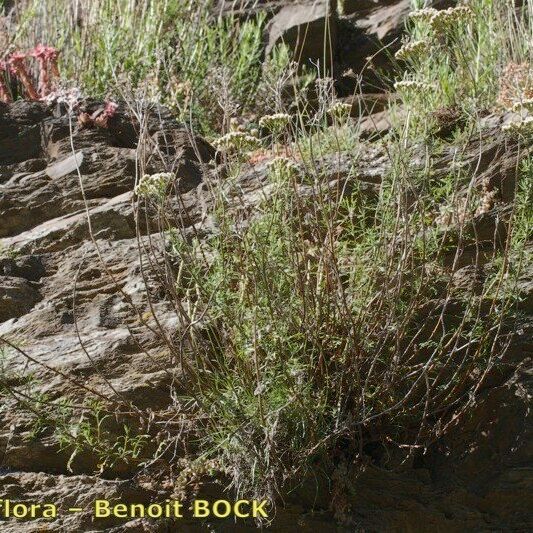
(238, 140)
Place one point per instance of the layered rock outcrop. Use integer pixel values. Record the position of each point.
(66, 306)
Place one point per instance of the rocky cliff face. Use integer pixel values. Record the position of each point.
(78, 303)
(65, 307)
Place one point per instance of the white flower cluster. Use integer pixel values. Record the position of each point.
(275, 123)
(340, 111)
(423, 15)
(238, 141)
(283, 167)
(523, 126)
(154, 185)
(442, 20)
(70, 97)
(524, 105)
(412, 49)
(413, 86)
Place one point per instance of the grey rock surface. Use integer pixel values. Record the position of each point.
(76, 309)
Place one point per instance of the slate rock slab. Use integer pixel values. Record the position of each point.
(17, 297)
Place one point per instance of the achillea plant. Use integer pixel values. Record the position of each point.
(237, 141)
(524, 126)
(423, 15)
(275, 123)
(153, 186)
(283, 169)
(412, 49)
(524, 106)
(412, 86)
(441, 21)
(479, 56)
(446, 19)
(340, 111)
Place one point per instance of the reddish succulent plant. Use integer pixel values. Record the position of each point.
(48, 69)
(47, 57)
(52, 54)
(17, 62)
(99, 118)
(85, 120)
(110, 109)
(102, 119)
(39, 53)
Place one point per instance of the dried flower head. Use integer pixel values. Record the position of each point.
(412, 50)
(153, 186)
(275, 123)
(454, 214)
(236, 125)
(102, 117)
(516, 84)
(238, 141)
(488, 198)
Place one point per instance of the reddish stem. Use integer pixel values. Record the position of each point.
(52, 55)
(40, 53)
(5, 95)
(44, 81)
(17, 62)
(54, 68)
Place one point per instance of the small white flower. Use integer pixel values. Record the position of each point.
(413, 86)
(153, 186)
(442, 20)
(238, 141)
(70, 97)
(524, 105)
(445, 19)
(340, 111)
(283, 167)
(523, 126)
(275, 123)
(412, 49)
(423, 15)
